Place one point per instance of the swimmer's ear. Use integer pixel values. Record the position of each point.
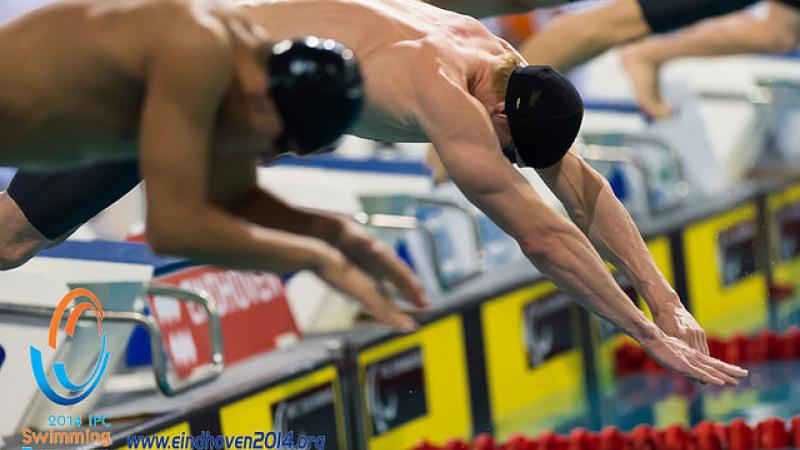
(263, 90)
(498, 108)
(497, 114)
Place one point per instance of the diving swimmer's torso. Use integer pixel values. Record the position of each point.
(70, 84)
(392, 40)
(72, 79)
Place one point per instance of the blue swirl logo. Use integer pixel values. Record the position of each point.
(76, 391)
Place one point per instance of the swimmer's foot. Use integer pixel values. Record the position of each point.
(643, 74)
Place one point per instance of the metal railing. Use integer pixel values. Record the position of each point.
(628, 148)
(167, 384)
(403, 222)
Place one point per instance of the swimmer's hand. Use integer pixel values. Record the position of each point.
(679, 323)
(342, 274)
(674, 354)
(379, 261)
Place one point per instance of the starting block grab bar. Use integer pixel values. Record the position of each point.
(168, 384)
(402, 222)
(623, 148)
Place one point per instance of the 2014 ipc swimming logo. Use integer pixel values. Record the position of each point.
(77, 392)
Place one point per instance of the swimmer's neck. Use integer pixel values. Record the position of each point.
(481, 86)
(481, 83)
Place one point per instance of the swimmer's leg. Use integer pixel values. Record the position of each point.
(575, 38)
(572, 39)
(775, 31)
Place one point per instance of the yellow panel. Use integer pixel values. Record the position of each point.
(788, 272)
(720, 406)
(780, 199)
(521, 395)
(175, 430)
(254, 413)
(784, 271)
(721, 311)
(671, 411)
(446, 385)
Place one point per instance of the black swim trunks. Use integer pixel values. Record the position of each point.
(57, 203)
(670, 15)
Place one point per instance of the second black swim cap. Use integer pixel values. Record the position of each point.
(544, 113)
(317, 88)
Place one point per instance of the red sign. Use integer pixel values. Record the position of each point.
(253, 308)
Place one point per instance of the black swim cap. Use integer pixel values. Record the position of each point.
(316, 86)
(544, 113)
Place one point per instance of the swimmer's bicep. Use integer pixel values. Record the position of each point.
(177, 121)
(231, 178)
(465, 141)
(173, 153)
(461, 133)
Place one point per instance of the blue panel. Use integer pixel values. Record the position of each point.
(116, 252)
(378, 165)
(612, 106)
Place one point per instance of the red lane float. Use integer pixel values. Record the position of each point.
(771, 434)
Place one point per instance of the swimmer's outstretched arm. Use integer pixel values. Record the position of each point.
(592, 205)
(177, 122)
(463, 135)
(234, 187)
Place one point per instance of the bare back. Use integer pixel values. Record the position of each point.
(393, 40)
(72, 79)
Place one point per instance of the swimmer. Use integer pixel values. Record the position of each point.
(434, 75)
(572, 39)
(776, 31)
(199, 95)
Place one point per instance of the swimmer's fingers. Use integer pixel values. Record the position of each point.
(706, 378)
(392, 269)
(679, 357)
(391, 290)
(380, 261)
(718, 374)
(337, 271)
(386, 312)
(727, 374)
(724, 367)
(703, 373)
